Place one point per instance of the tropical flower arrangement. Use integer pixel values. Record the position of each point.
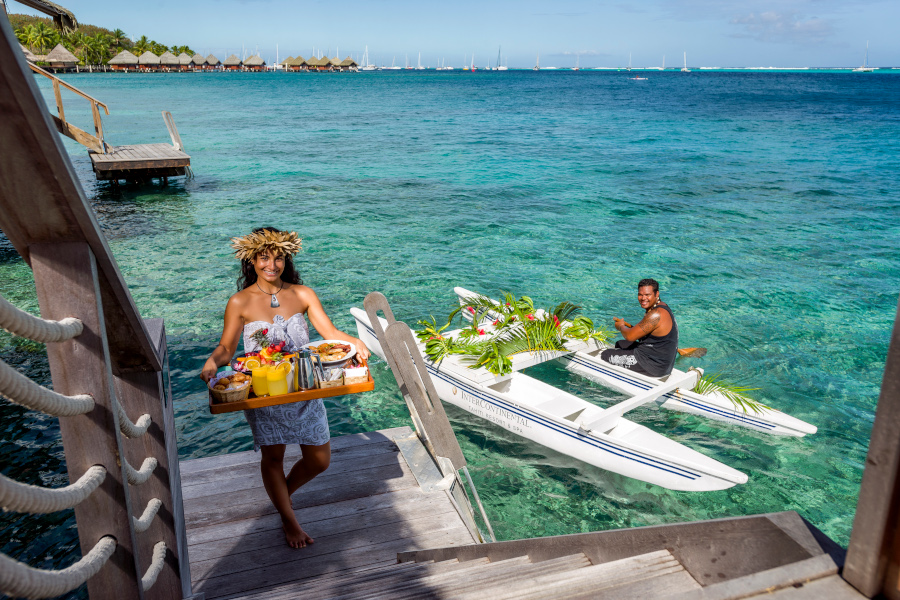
(516, 327)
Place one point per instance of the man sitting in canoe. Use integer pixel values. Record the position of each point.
(650, 346)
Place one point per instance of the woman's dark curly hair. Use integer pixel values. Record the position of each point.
(248, 274)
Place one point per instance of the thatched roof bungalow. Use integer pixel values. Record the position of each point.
(232, 63)
(212, 63)
(297, 64)
(29, 56)
(320, 64)
(60, 58)
(198, 62)
(123, 61)
(348, 64)
(255, 63)
(148, 61)
(168, 61)
(184, 62)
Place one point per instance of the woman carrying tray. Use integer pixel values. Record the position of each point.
(272, 298)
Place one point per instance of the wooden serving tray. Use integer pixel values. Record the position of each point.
(254, 402)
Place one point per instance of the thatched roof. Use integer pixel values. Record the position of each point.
(212, 60)
(124, 58)
(317, 62)
(232, 61)
(148, 58)
(287, 60)
(255, 61)
(64, 19)
(61, 55)
(28, 55)
(349, 62)
(297, 62)
(168, 59)
(199, 60)
(184, 59)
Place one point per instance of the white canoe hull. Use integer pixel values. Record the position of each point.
(712, 406)
(544, 414)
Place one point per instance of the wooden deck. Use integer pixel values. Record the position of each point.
(365, 509)
(140, 161)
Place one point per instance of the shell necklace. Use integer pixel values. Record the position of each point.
(274, 303)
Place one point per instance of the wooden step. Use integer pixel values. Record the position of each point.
(617, 579)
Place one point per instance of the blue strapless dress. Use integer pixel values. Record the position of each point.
(297, 423)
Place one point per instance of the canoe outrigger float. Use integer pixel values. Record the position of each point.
(572, 426)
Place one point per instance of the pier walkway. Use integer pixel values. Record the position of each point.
(362, 511)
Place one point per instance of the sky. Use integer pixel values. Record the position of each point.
(726, 33)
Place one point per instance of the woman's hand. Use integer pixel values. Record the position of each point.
(361, 350)
(209, 370)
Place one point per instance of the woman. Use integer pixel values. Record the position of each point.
(272, 298)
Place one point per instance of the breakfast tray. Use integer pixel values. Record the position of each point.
(254, 402)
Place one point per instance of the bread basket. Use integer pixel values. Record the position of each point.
(236, 395)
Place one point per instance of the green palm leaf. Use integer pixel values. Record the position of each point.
(736, 394)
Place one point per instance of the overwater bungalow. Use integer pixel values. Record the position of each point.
(297, 64)
(348, 64)
(60, 58)
(148, 62)
(232, 63)
(255, 63)
(168, 61)
(284, 63)
(320, 64)
(212, 63)
(124, 61)
(197, 62)
(184, 62)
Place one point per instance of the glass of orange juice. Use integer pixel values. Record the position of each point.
(276, 380)
(260, 382)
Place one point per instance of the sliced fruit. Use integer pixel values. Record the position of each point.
(284, 367)
(252, 363)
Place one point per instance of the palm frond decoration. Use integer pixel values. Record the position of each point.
(736, 394)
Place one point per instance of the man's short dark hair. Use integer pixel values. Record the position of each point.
(651, 282)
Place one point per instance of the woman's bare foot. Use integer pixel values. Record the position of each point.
(295, 536)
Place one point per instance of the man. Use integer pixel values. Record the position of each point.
(650, 346)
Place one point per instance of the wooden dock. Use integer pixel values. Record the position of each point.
(362, 511)
(139, 162)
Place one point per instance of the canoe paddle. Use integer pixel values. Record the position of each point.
(688, 352)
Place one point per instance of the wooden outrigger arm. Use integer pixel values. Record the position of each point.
(608, 418)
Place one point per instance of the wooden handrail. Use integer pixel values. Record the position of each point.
(71, 88)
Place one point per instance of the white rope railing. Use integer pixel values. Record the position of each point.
(143, 524)
(21, 581)
(20, 323)
(138, 477)
(18, 389)
(129, 429)
(21, 497)
(155, 568)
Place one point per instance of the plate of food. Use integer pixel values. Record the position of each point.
(333, 352)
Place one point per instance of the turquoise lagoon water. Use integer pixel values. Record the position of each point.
(765, 204)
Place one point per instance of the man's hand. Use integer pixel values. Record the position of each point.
(620, 323)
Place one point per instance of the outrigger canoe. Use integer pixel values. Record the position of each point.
(715, 406)
(567, 424)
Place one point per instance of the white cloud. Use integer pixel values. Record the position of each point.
(771, 26)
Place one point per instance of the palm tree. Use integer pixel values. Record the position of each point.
(43, 37)
(158, 48)
(118, 38)
(142, 45)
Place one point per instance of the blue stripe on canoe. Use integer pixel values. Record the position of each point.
(689, 402)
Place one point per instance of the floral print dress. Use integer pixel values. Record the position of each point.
(296, 423)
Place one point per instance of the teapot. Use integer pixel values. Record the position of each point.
(307, 364)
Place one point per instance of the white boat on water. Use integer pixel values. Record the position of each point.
(715, 406)
(685, 69)
(567, 424)
(367, 66)
(865, 68)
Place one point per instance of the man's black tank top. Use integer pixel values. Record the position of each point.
(657, 353)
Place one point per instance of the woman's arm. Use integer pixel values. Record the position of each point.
(231, 335)
(325, 327)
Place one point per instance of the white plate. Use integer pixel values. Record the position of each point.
(331, 363)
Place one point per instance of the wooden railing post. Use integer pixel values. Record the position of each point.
(67, 284)
(59, 103)
(98, 125)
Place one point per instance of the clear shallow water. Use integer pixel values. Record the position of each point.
(765, 205)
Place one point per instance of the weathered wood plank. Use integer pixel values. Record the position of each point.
(200, 512)
(67, 284)
(194, 465)
(400, 501)
(339, 559)
(417, 521)
(251, 477)
(338, 458)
